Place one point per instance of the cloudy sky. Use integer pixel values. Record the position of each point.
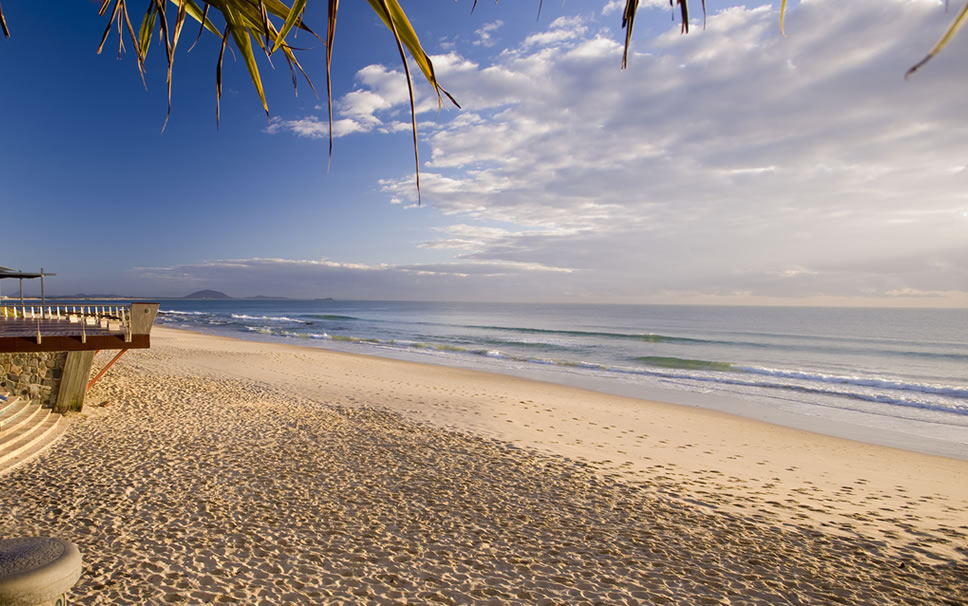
(728, 165)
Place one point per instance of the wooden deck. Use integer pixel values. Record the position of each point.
(20, 334)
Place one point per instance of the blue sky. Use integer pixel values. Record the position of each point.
(730, 165)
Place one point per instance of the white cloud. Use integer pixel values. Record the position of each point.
(485, 35)
(562, 29)
(314, 128)
(613, 6)
(728, 160)
(616, 6)
(313, 278)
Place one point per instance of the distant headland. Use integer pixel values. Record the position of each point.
(207, 294)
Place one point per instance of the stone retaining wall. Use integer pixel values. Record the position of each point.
(33, 375)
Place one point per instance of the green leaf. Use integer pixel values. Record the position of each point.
(199, 15)
(240, 35)
(147, 28)
(396, 20)
(384, 10)
(294, 15)
(948, 35)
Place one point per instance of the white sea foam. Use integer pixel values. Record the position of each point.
(265, 318)
(812, 360)
(953, 391)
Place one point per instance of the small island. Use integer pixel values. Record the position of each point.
(207, 294)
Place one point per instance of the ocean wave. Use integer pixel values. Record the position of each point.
(683, 363)
(264, 318)
(173, 312)
(786, 345)
(330, 317)
(881, 390)
(264, 330)
(647, 337)
(821, 389)
(953, 391)
(539, 345)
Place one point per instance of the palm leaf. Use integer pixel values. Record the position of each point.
(387, 16)
(782, 15)
(3, 24)
(240, 35)
(948, 35)
(628, 18)
(396, 20)
(294, 15)
(147, 28)
(107, 30)
(201, 16)
(684, 9)
(330, 39)
(201, 27)
(218, 76)
(169, 49)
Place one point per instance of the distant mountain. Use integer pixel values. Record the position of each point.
(207, 294)
(86, 296)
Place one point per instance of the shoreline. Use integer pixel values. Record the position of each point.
(215, 470)
(618, 436)
(844, 424)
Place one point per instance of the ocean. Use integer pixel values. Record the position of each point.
(897, 377)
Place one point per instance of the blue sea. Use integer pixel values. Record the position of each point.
(897, 377)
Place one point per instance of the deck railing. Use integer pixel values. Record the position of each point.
(112, 318)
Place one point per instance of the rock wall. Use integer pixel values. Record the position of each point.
(33, 375)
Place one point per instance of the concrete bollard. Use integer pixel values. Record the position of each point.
(37, 571)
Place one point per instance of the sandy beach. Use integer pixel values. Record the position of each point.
(213, 470)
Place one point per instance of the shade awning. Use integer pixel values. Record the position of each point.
(23, 274)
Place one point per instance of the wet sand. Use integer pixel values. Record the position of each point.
(211, 470)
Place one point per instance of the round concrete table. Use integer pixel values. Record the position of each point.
(37, 571)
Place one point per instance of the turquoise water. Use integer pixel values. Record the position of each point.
(894, 376)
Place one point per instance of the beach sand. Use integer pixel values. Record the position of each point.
(213, 470)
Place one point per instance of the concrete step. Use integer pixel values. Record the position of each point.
(11, 403)
(17, 414)
(31, 441)
(25, 425)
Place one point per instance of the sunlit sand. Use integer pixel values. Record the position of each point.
(211, 470)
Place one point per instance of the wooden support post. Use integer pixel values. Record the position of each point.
(106, 367)
(142, 317)
(77, 368)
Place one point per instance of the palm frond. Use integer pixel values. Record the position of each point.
(3, 24)
(396, 20)
(387, 16)
(248, 20)
(628, 18)
(295, 15)
(945, 39)
(330, 40)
